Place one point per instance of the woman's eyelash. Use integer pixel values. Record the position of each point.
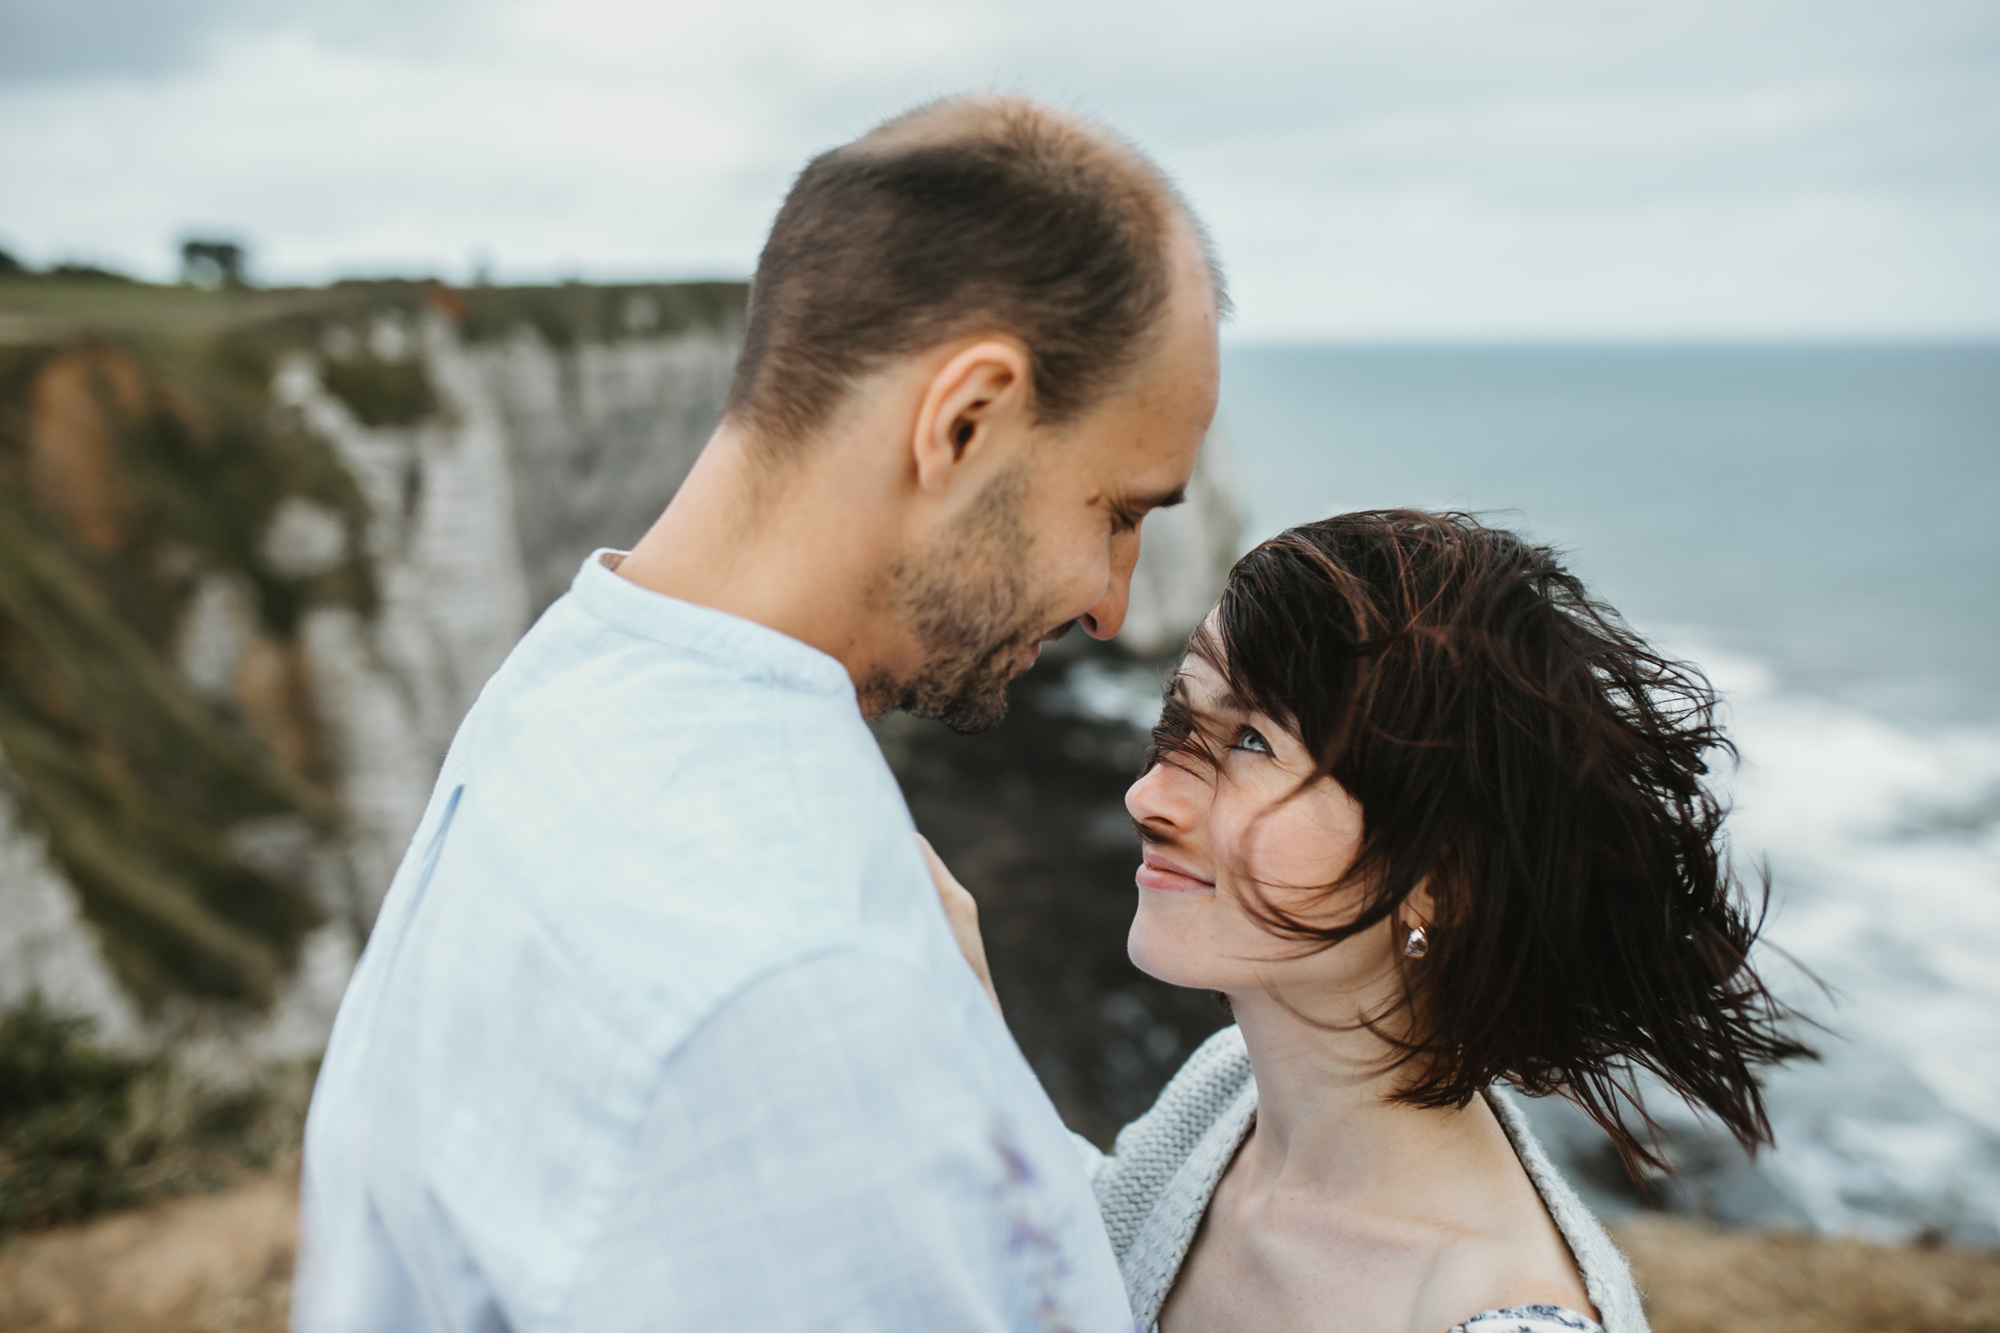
(1180, 732)
(1249, 738)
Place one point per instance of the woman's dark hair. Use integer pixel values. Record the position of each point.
(1520, 752)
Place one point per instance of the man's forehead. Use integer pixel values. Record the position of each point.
(1133, 467)
(1176, 384)
(1150, 456)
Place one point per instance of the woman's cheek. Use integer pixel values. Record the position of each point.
(1262, 850)
(1297, 851)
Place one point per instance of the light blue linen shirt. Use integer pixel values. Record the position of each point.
(662, 1026)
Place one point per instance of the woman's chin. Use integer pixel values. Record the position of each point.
(1164, 956)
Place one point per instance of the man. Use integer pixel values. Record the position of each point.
(662, 1025)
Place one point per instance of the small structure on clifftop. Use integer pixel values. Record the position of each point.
(212, 264)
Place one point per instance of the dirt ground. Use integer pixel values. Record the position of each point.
(1703, 1280)
(216, 1263)
(221, 1263)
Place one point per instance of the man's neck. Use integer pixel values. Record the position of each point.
(786, 551)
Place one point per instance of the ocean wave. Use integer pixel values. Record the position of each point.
(1883, 844)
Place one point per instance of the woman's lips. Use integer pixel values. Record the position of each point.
(1162, 874)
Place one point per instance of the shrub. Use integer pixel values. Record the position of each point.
(84, 1131)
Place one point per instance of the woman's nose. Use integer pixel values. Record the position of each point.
(1163, 798)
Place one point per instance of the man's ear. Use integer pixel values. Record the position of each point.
(977, 396)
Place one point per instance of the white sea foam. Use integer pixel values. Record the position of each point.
(1884, 848)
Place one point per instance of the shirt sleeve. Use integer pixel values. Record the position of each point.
(1089, 1156)
(824, 1154)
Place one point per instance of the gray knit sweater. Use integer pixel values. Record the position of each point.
(1165, 1166)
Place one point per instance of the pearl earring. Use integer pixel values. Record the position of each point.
(1418, 944)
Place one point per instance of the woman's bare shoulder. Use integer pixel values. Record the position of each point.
(1516, 1260)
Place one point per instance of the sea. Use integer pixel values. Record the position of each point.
(1818, 527)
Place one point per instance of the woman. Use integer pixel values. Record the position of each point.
(1431, 821)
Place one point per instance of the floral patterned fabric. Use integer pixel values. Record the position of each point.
(1529, 1319)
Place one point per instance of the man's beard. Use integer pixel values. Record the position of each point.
(967, 601)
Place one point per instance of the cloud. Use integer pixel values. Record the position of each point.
(1439, 167)
(58, 39)
(54, 41)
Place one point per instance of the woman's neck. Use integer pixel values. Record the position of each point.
(1325, 1121)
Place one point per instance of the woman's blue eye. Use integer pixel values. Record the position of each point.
(1249, 738)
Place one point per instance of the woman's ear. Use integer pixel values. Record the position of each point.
(977, 402)
(1420, 907)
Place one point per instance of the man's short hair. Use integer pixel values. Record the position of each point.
(965, 216)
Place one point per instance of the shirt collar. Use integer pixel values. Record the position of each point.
(756, 652)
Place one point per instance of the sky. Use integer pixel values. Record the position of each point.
(1406, 170)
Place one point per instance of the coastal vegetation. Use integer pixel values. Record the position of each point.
(85, 1131)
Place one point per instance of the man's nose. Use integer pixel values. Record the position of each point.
(1103, 620)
